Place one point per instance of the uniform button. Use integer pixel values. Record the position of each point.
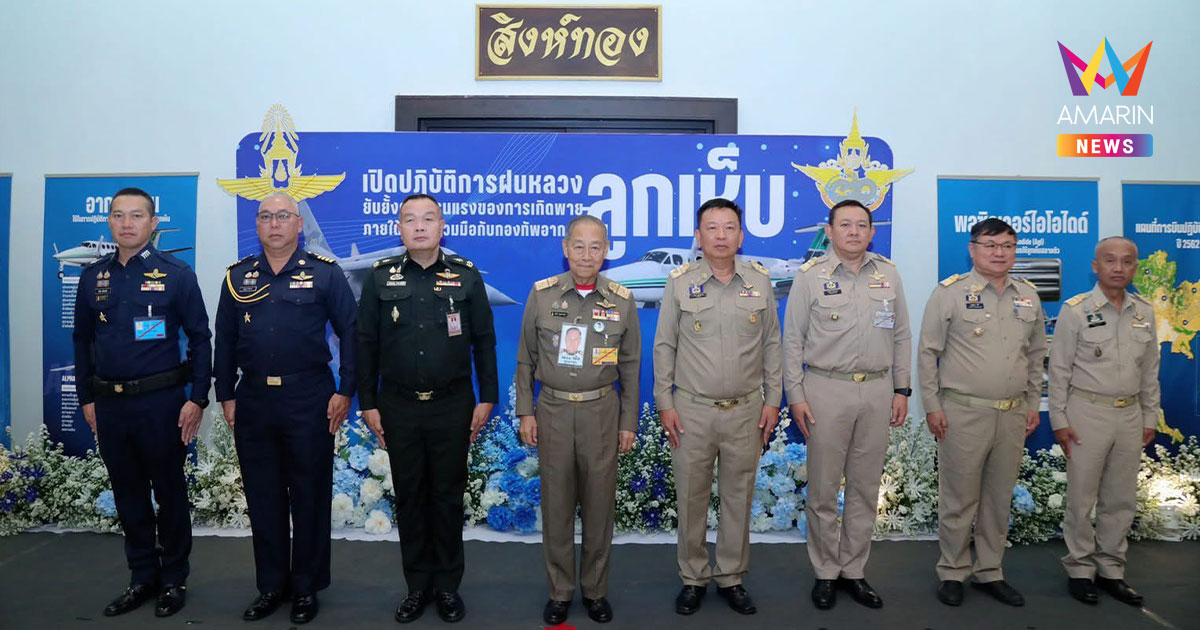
(421, 352)
(987, 316)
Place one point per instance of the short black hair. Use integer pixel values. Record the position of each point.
(716, 203)
(137, 192)
(849, 202)
(991, 226)
(418, 196)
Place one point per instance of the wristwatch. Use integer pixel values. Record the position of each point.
(904, 391)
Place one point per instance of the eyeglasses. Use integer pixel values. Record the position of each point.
(283, 216)
(990, 246)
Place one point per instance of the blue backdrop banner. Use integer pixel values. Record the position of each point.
(507, 198)
(1163, 219)
(77, 234)
(5, 359)
(1055, 220)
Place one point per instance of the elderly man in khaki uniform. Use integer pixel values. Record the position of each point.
(581, 420)
(1104, 404)
(717, 382)
(847, 323)
(983, 341)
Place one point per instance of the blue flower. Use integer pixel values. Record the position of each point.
(514, 457)
(513, 484)
(493, 482)
(385, 506)
(525, 518)
(637, 484)
(762, 480)
(106, 504)
(31, 494)
(8, 502)
(1022, 500)
(796, 453)
(802, 523)
(33, 472)
(347, 481)
(533, 491)
(770, 458)
(658, 473)
(358, 457)
(500, 518)
(652, 518)
(659, 490)
(757, 509)
(340, 463)
(6, 475)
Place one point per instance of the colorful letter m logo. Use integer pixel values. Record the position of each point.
(1081, 85)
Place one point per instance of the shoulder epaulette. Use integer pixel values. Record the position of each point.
(759, 268)
(459, 260)
(1141, 298)
(1077, 299)
(1028, 282)
(247, 258)
(618, 288)
(387, 261)
(103, 259)
(545, 283)
(808, 265)
(680, 270)
(884, 259)
(321, 258)
(952, 279)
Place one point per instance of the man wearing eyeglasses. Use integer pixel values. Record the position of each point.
(424, 322)
(286, 408)
(581, 420)
(983, 340)
(129, 311)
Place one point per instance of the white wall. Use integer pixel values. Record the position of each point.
(954, 87)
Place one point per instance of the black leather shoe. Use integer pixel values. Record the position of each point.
(689, 598)
(304, 608)
(1120, 591)
(739, 600)
(450, 606)
(1083, 589)
(1001, 591)
(861, 592)
(170, 600)
(133, 597)
(412, 606)
(264, 605)
(555, 611)
(599, 610)
(823, 594)
(950, 593)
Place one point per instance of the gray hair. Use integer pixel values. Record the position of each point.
(585, 218)
(1115, 238)
(279, 194)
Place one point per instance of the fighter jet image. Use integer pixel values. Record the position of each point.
(89, 252)
(358, 265)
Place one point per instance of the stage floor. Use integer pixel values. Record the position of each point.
(50, 580)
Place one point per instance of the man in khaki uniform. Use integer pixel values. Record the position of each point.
(847, 321)
(580, 420)
(983, 340)
(717, 383)
(1104, 404)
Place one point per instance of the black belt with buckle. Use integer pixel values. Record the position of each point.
(450, 390)
(173, 377)
(269, 380)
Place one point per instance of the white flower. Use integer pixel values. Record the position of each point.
(370, 492)
(1056, 451)
(492, 498)
(377, 523)
(386, 484)
(378, 463)
(1059, 476)
(343, 507)
(1055, 501)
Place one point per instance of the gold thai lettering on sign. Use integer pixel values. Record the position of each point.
(554, 42)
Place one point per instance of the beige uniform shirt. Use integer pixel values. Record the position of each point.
(611, 352)
(715, 340)
(841, 321)
(1103, 351)
(982, 343)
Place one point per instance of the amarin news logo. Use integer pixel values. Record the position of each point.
(1128, 84)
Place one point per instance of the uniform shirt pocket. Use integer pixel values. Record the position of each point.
(697, 317)
(832, 312)
(750, 315)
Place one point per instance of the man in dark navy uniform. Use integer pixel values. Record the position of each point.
(285, 410)
(423, 320)
(129, 309)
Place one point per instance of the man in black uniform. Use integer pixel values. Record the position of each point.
(129, 309)
(423, 316)
(285, 409)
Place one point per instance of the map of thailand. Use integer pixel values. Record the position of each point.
(1176, 311)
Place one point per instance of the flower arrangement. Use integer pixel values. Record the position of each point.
(39, 485)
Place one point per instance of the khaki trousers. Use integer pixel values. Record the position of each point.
(1102, 472)
(732, 438)
(577, 457)
(850, 438)
(978, 464)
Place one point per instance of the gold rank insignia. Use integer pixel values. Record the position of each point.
(247, 317)
(155, 275)
(696, 326)
(301, 262)
(978, 331)
(877, 276)
(753, 318)
(447, 274)
(103, 318)
(605, 304)
(302, 277)
(545, 283)
(118, 388)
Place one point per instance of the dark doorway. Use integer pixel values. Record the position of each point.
(567, 114)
